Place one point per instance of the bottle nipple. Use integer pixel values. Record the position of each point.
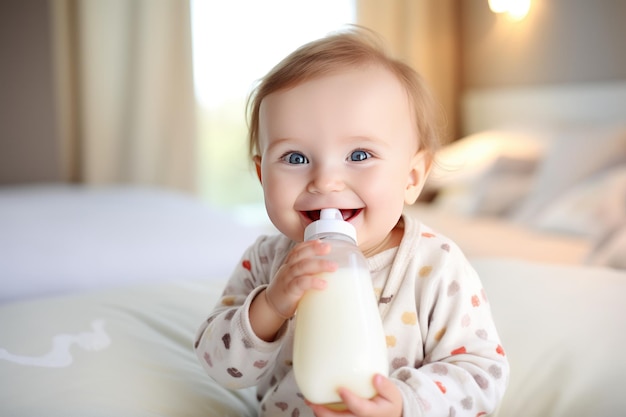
(330, 214)
(330, 221)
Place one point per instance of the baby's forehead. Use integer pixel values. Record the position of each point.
(365, 75)
(354, 103)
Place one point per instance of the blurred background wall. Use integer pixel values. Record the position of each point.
(29, 149)
(559, 41)
(457, 44)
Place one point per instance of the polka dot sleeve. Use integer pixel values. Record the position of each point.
(226, 346)
(444, 350)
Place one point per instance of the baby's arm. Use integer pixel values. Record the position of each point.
(226, 345)
(465, 370)
(240, 340)
(279, 300)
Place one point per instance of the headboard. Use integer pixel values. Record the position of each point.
(547, 105)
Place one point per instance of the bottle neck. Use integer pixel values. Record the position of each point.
(335, 236)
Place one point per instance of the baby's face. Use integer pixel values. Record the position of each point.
(348, 141)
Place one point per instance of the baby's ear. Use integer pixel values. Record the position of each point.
(257, 165)
(420, 166)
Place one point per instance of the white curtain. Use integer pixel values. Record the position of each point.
(423, 33)
(125, 91)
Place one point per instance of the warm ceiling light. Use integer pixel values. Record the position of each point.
(517, 9)
(499, 6)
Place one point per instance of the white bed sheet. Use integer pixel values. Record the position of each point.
(113, 352)
(61, 238)
(128, 351)
(498, 237)
(562, 328)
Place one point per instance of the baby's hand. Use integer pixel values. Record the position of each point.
(298, 274)
(387, 403)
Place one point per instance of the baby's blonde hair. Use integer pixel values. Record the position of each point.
(354, 47)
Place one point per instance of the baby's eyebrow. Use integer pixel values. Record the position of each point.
(274, 142)
(356, 141)
(369, 140)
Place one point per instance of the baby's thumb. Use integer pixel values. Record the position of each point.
(384, 386)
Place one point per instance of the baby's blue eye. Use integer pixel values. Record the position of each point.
(359, 155)
(296, 158)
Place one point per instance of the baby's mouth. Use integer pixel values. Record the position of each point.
(347, 214)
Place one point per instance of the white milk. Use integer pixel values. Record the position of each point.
(339, 340)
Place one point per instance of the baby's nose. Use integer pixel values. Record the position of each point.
(326, 180)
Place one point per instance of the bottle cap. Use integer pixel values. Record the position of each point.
(331, 221)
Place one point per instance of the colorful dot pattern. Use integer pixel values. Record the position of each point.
(444, 351)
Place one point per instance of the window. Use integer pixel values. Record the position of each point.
(234, 44)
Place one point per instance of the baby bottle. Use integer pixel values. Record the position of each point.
(339, 339)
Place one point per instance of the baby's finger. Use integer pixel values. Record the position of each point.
(306, 261)
(302, 283)
(307, 249)
(387, 389)
(357, 405)
(310, 267)
(323, 411)
(387, 402)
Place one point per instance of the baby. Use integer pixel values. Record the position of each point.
(340, 124)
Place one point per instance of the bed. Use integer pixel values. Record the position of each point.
(102, 288)
(540, 175)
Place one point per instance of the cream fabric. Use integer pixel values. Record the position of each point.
(421, 33)
(125, 91)
(130, 350)
(444, 353)
(563, 327)
(121, 353)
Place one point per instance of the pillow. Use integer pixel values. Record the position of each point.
(574, 157)
(590, 209)
(502, 187)
(610, 249)
(487, 173)
(496, 192)
(466, 160)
